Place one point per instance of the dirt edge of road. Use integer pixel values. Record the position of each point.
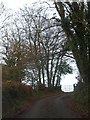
(76, 107)
(27, 104)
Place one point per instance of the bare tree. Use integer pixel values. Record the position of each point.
(34, 46)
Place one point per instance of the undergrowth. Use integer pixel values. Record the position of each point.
(81, 96)
(13, 93)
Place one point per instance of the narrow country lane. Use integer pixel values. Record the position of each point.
(50, 107)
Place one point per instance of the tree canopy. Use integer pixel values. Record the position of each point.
(75, 21)
(34, 48)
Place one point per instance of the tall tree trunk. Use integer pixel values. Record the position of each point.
(76, 39)
(47, 69)
(39, 75)
(43, 75)
(53, 80)
(51, 69)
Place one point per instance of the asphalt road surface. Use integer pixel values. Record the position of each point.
(50, 107)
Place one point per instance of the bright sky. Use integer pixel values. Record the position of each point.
(69, 79)
(15, 5)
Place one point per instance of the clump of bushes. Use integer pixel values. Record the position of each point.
(82, 96)
(12, 94)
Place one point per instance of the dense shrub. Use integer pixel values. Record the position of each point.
(12, 94)
(82, 95)
(41, 87)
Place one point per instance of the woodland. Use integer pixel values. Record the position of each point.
(36, 48)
